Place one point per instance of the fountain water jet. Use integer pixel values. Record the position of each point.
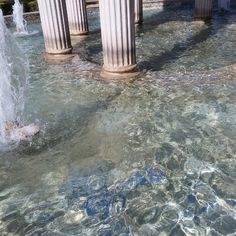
(20, 22)
(13, 79)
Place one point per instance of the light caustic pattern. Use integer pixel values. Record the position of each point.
(152, 157)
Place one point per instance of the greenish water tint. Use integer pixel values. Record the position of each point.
(152, 157)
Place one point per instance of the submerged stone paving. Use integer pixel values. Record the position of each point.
(154, 156)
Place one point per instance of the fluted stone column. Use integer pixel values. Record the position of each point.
(118, 37)
(77, 17)
(55, 26)
(203, 9)
(224, 5)
(138, 11)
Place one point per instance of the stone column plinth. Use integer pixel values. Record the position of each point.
(203, 9)
(77, 17)
(118, 37)
(224, 5)
(138, 11)
(55, 26)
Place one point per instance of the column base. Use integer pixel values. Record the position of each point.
(223, 10)
(202, 19)
(57, 57)
(120, 73)
(73, 33)
(59, 52)
(139, 22)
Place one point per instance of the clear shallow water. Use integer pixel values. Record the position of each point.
(151, 157)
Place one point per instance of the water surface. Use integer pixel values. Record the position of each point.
(155, 156)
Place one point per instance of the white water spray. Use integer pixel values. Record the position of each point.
(20, 22)
(13, 79)
(7, 109)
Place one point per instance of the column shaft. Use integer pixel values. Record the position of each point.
(118, 35)
(55, 26)
(138, 11)
(224, 5)
(203, 9)
(77, 16)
